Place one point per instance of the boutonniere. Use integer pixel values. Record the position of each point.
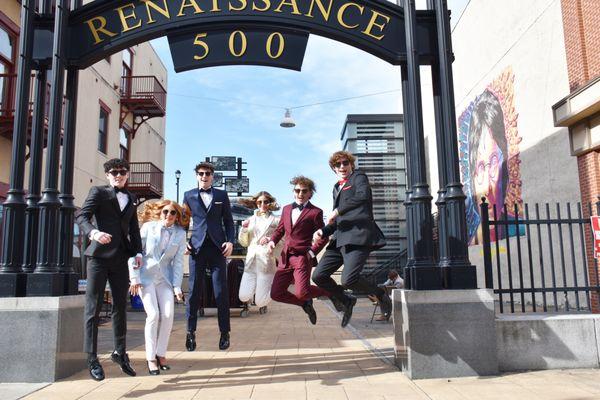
(346, 187)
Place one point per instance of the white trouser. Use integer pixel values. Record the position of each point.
(257, 284)
(160, 306)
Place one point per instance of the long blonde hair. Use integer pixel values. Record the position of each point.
(152, 212)
(251, 202)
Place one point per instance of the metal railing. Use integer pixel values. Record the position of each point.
(8, 88)
(379, 274)
(145, 176)
(540, 257)
(143, 88)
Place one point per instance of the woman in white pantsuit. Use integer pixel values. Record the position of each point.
(260, 266)
(159, 278)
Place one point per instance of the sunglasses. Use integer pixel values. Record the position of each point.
(117, 172)
(204, 173)
(345, 163)
(298, 191)
(263, 201)
(172, 212)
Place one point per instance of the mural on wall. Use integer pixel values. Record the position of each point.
(489, 155)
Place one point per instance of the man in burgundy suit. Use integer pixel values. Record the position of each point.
(298, 222)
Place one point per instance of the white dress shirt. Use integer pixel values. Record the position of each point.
(296, 213)
(206, 198)
(123, 199)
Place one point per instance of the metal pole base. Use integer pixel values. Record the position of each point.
(47, 284)
(425, 278)
(71, 284)
(12, 284)
(459, 277)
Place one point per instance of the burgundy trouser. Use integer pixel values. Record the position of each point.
(297, 271)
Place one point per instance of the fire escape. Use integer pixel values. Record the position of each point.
(143, 97)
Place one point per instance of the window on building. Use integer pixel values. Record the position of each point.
(8, 39)
(124, 143)
(103, 129)
(127, 70)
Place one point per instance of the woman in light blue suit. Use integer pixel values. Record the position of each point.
(160, 276)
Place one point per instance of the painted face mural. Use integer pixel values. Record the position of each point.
(489, 152)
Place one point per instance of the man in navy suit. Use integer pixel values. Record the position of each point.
(209, 246)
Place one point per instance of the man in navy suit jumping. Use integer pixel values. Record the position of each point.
(209, 246)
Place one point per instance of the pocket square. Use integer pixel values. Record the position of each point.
(218, 202)
(346, 187)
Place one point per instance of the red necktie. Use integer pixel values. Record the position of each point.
(342, 181)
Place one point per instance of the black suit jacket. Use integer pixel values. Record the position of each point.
(355, 224)
(102, 204)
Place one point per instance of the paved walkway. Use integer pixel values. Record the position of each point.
(280, 355)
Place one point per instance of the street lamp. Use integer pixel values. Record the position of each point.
(177, 176)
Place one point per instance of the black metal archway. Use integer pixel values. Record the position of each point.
(38, 229)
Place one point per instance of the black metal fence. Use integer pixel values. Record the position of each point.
(536, 260)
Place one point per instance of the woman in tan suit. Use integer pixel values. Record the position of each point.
(260, 266)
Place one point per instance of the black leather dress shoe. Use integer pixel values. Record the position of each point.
(123, 361)
(349, 304)
(190, 341)
(310, 310)
(337, 303)
(154, 371)
(162, 366)
(224, 341)
(386, 307)
(96, 371)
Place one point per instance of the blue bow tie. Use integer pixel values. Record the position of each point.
(209, 190)
(298, 206)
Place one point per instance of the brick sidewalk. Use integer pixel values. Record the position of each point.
(280, 355)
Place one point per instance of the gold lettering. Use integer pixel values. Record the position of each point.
(96, 30)
(267, 6)
(124, 17)
(372, 23)
(243, 4)
(324, 12)
(164, 11)
(270, 43)
(340, 14)
(232, 43)
(189, 3)
(215, 6)
(289, 3)
(199, 42)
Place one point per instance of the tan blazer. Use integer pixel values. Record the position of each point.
(258, 258)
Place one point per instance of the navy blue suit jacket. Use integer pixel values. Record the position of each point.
(216, 222)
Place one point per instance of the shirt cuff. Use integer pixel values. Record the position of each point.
(177, 290)
(139, 255)
(134, 281)
(92, 233)
(312, 254)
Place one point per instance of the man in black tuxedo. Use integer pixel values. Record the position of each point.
(355, 235)
(209, 246)
(114, 239)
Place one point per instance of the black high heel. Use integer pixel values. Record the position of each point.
(164, 367)
(153, 372)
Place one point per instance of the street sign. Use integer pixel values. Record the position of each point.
(237, 185)
(224, 163)
(596, 235)
(250, 46)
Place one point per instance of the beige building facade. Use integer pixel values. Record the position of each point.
(114, 118)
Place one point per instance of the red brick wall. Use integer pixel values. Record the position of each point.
(581, 20)
(589, 181)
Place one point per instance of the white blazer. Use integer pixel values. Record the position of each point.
(258, 258)
(168, 263)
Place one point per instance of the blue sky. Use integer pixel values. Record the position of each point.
(197, 127)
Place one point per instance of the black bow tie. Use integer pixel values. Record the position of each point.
(118, 189)
(209, 190)
(298, 206)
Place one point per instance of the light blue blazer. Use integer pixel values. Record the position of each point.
(169, 264)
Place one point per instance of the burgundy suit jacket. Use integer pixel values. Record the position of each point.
(298, 238)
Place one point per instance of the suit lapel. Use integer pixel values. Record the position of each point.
(336, 194)
(112, 195)
(303, 213)
(260, 230)
(200, 202)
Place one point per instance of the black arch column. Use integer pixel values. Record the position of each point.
(12, 280)
(425, 275)
(408, 150)
(457, 271)
(46, 281)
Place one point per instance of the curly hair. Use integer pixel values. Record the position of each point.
(251, 202)
(152, 212)
(116, 163)
(339, 156)
(205, 165)
(304, 181)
